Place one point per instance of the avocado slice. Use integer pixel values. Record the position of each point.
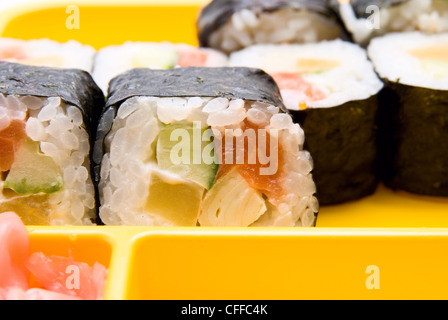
(188, 150)
(33, 172)
(175, 200)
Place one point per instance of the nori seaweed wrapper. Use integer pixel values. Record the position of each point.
(413, 139)
(74, 87)
(218, 12)
(342, 142)
(233, 83)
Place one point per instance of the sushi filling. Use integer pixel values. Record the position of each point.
(206, 162)
(246, 28)
(320, 75)
(434, 59)
(44, 161)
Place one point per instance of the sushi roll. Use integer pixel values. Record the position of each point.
(233, 25)
(365, 19)
(47, 53)
(201, 147)
(114, 60)
(330, 88)
(413, 111)
(47, 121)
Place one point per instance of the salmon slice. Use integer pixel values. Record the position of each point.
(192, 58)
(17, 54)
(51, 61)
(6, 154)
(12, 53)
(269, 184)
(294, 81)
(10, 140)
(15, 131)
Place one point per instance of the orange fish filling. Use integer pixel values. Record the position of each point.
(437, 52)
(10, 140)
(17, 54)
(192, 58)
(12, 53)
(294, 81)
(269, 184)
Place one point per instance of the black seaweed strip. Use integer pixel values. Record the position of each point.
(413, 139)
(342, 142)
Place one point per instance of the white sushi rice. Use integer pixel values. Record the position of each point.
(424, 15)
(49, 53)
(113, 60)
(246, 28)
(393, 60)
(62, 135)
(353, 77)
(126, 167)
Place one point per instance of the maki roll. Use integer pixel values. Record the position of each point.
(201, 147)
(47, 118)
(47, 53)
(233, 25)
(413, 111)
(114, 60)
(365, 19)
(330, 88)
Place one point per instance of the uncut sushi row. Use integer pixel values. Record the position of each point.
(60, 140)
(343, 165)
(330, 89)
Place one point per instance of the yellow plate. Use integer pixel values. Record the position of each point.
(319, 263)
(388, 245)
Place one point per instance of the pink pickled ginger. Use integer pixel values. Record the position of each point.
(67, 276)
(59, 278)
(14, 244)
